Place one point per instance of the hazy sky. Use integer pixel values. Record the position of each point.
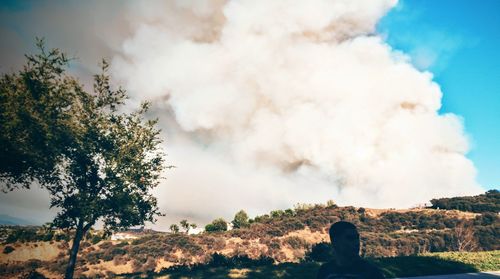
(264, 104)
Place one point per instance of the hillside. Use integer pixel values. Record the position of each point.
(279, 237)
(12, 221)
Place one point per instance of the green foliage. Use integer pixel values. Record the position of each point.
(487, 230)
(240, 220)
(330, 203)
(439, 263)
(262, 219)
(37, 115)
(481, 261)
(217, 225)
(289, 212)
(8, 249)
(23, 234)
(487, 202)
(96, 162)
(187, 226)
(96, 238)
(174, 228)
(277, 213)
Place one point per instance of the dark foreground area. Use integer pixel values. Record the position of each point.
(468, 265)
(480, 275)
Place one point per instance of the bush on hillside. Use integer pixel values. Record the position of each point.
(8, 249)
(320, 252)
(240, 220)
(487, 202)
(217, 225)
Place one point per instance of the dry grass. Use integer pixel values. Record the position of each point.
(162, 263)
(44, 251)
(308, 235)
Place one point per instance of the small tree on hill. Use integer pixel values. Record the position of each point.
(96, 163)
(174, 228)
(193, 226)
(240, 220)
(186, 225)
(331, 204)
(463, 236)
(217, 225)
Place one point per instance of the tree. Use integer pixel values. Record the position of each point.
(487, 202)
(185, 225)
(38, 112)
(174, 228)
(193, 226)
(464, 238)
(277, 213)
(95, 162)
(330, 204)
(217, 225)
(240, 220)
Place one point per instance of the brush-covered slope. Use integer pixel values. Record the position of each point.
(291, 235)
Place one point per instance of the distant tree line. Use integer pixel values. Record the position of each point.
(487, 202)
(48, 233)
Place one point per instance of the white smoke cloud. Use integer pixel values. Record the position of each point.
(263, 103)
(268, 103)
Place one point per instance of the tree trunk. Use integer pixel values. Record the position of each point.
(74, 251)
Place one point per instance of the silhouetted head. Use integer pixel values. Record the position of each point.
(345, 240)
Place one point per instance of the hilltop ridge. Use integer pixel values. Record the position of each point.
(291, 235)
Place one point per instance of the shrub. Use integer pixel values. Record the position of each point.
(295, 242)
(120, 260)
(8, 249)
(84, 245)
(23, 235)
(122, 244)
(34, 275)
(240, 220)
(118, 251)
(217, 225)
(487, 202)
(96, 239)
(105, 245)
(219, 260)
(320, 252)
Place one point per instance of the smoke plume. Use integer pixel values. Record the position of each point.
(268, 103)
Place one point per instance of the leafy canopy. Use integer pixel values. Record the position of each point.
(240, 220)
(39, 107)
(96, 162)
(217, 225)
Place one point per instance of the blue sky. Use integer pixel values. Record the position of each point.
(459, 42)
